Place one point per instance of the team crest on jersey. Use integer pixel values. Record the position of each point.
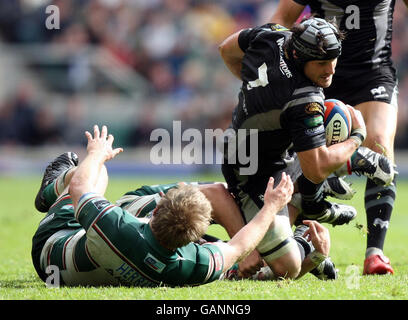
(154, 263)
(313, 108)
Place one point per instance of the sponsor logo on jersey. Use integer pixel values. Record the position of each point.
(314, 121)
(283, 67)
(313, 108)
(278, 27)
(379, 92)
(100, 204)
(154, 263)
(313, 131)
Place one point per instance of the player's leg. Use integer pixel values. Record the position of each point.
(278, 248)
(315, 207)
(55, 178)
(227, 214)
(381, 123)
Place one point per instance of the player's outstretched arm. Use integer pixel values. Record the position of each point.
(246, 240)
(226, 213)
(87, 175)
(287, 13)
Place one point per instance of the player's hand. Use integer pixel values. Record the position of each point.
(358, 127)
(101, 143)
(250, 265)
(281, 195)
(319, 235)
(357, 120)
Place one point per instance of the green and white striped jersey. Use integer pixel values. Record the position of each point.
(103, 244)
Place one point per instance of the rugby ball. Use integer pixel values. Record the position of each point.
(337, 121)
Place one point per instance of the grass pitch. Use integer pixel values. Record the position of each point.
(18, 280)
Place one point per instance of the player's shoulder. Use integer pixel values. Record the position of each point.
(273, 31)
(306, 93)
(268, 33)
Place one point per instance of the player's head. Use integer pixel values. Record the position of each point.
(182, 216)
(314, 47)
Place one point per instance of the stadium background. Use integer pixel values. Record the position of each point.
(135, 65)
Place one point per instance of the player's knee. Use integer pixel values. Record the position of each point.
(379, 142)
(290, 271)
(285, 262)
(214, 190)
(287, 267)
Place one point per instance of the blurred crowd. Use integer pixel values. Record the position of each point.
(171, 44)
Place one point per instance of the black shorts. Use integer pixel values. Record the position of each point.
(376, 85)
(249, 190)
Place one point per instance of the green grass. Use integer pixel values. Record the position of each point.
(18, 280)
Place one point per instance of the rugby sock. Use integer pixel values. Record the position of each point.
(312, 196)
(49, 194)
(379, 203)
(305, 247)
(55, 188)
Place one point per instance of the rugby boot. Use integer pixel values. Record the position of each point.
(326, 270)
(54, 169)
(338, 188)
(377, 264)
(370, 164)
(335, 214)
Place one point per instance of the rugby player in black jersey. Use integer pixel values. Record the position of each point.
(283, 72)
(366, 79)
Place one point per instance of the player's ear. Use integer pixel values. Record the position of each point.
(155, 210)
(294, 54)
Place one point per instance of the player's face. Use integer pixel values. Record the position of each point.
(321, 71)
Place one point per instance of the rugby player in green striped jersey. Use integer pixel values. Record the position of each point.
(92, 241)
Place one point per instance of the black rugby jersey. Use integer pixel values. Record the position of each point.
(368, 28)
(277, 99)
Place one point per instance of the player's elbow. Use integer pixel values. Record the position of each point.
(223, 51)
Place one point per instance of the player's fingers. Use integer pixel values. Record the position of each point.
(88, 135)
(271, 183)
(117, 151)
(290, 185)
(104, 132)
(307, 234)
(313, 231)
(96, 132)
(111, 139)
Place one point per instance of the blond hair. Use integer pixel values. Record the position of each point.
(182, 216)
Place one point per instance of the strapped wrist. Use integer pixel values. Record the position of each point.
(358, 135)
(317, 257)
